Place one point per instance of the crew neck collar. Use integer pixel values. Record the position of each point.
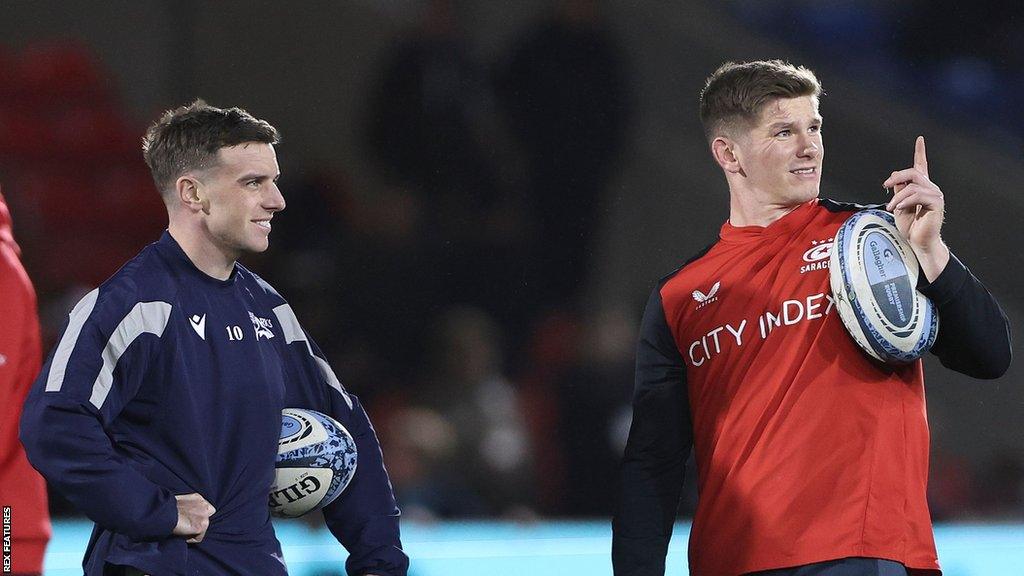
(170, 246)
(784, 225)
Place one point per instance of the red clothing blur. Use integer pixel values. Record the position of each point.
(21, 487)
(806, 450)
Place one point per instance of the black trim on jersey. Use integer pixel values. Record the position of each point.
(836, 206)
(660, 440)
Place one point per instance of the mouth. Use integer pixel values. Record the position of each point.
(265, 224)
(809, 172)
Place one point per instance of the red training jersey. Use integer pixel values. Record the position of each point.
(21, 487)
(806, 449)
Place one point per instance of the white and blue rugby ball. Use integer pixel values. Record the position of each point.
(316, 459)
(874, 282)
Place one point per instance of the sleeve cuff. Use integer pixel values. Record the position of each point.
(947, 285)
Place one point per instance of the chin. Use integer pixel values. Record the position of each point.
(257, 246)
(801, 196)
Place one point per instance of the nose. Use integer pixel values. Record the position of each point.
(809, 147)
(274, 201)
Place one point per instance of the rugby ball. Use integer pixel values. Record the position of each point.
(316, 459)
(873, 272)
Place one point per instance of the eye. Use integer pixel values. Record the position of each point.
(253, 183)
(783, 134)
(815, 129)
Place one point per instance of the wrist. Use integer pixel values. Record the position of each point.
(932, 249)
(932, 259)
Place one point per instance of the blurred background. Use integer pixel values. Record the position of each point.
(481, 195)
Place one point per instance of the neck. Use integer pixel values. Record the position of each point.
(204, 255)
(747, 210)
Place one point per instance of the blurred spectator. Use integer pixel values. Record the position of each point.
(592, 396)
(1000, 487)
(21, 487)
(431, 129)
(421, 449)
(549, 353)
(566, 95)
(388, 286)
(468, 389)
(74, 158)
(949, 487)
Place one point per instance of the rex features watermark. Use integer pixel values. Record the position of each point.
(7, 540)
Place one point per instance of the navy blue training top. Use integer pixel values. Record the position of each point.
(167, 381)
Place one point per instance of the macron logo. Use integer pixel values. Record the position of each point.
(199, 325)
(705, 299)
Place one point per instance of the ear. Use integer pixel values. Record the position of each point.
(188, 191)
(724, 150)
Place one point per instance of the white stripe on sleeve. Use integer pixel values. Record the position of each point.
(293, 333)
(79, 315)
(145, 317)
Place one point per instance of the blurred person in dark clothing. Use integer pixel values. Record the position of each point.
(566, 95)
(431, 127)
(424, 119)
(1000, 487)
(22, 489)
(592, 403)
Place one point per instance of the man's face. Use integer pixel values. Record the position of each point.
(781, 155)
(243, 197)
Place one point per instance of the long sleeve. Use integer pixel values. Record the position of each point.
(364, 518)
(97, 368)
(974, 334)
(660, 438)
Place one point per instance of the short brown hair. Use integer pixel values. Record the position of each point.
(735, 94)
(188, 138)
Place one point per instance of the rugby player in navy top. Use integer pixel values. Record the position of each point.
(159, 411)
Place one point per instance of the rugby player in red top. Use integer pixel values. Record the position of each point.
(812, 458)
(22, 489)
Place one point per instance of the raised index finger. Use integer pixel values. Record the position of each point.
(920, 158)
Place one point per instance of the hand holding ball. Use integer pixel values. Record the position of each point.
(316, 459)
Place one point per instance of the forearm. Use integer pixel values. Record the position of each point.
(67, 445)
(365, 518)
(651, 477)
(647, 505)
(974, 334)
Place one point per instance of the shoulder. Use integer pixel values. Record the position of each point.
(686, 266)
(144, 288)
(259, 287)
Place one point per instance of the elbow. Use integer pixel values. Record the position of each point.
(998, 364)
(29, 437)
(992, 365)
